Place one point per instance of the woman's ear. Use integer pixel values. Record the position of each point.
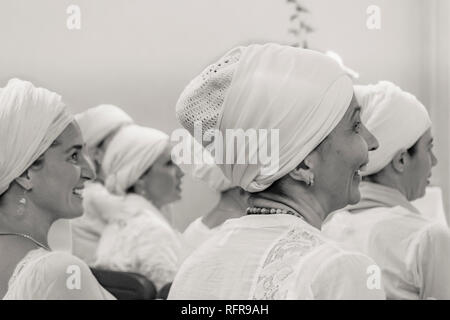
(25, 178)
(399, 160)
(24, 181)
(139, 187)
(304, 171)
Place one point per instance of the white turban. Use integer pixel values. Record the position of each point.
(98, 122)
(302, 93)
(130, 153)
(30, 120)
(395, 117)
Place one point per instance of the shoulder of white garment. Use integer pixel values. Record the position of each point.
(57, 275)
(347, 275)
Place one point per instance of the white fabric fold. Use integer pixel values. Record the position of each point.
(98, 122)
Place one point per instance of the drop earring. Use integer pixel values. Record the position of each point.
(307, 177)
(311, 180)
(22, 204)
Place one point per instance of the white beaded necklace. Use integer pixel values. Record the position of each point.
(260, 210)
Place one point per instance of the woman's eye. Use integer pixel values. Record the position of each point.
(357, 126)
(74, 156)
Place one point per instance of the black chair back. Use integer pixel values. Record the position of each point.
(125, 285)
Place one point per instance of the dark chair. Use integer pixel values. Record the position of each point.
(163, 293)
(125, 285)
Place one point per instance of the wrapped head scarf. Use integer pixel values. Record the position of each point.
(302, 93)
(395, 117)
(30, 120)
(130, 153)
(98, 122)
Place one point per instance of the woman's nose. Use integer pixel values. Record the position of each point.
(87, 168)
(434, 160)
(371, 140)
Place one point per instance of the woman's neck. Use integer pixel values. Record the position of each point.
(303, 203)
(31, 222)
(228, 207)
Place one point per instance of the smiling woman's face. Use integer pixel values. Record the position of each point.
(57, 177)
(342, 155)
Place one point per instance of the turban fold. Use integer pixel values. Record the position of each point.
(98, 122)
(30, 120)
(302, 93)
(395, 117)
(130, 153)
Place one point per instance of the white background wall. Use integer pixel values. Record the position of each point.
(139, 54)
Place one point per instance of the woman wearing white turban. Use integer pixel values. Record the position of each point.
(232, 202)
(277, 251)
(98, 126)
(138, 237)
(43, 169)
(412, 251)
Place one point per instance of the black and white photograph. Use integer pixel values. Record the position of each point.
(207, 151)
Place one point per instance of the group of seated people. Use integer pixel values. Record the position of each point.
(337, 209)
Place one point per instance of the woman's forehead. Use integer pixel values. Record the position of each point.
(71, 135)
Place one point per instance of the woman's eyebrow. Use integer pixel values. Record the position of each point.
(77, 147)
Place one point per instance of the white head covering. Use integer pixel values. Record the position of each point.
(395, 117)
(30, 120)
(130, 153)
(301, 92)
(98, 122)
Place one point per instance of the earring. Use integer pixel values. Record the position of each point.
(307, 177)
(311, 180)
(22, 204)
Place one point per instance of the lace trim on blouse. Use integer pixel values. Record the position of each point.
(277, 273)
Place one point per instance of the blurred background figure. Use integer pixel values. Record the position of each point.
(98, 125)
(412, 251)
(139, 237)
(431, 205)
(232, 201)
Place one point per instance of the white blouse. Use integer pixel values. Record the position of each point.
(412, 251)
(272, 257)
(139, 239)
(44, 275)
(197, 233)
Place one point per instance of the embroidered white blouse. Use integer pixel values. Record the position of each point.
(44, 275)
(272, 257)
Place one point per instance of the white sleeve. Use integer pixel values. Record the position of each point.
(348, 276)
(66, 277)
(158, 252)
(433, 265)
